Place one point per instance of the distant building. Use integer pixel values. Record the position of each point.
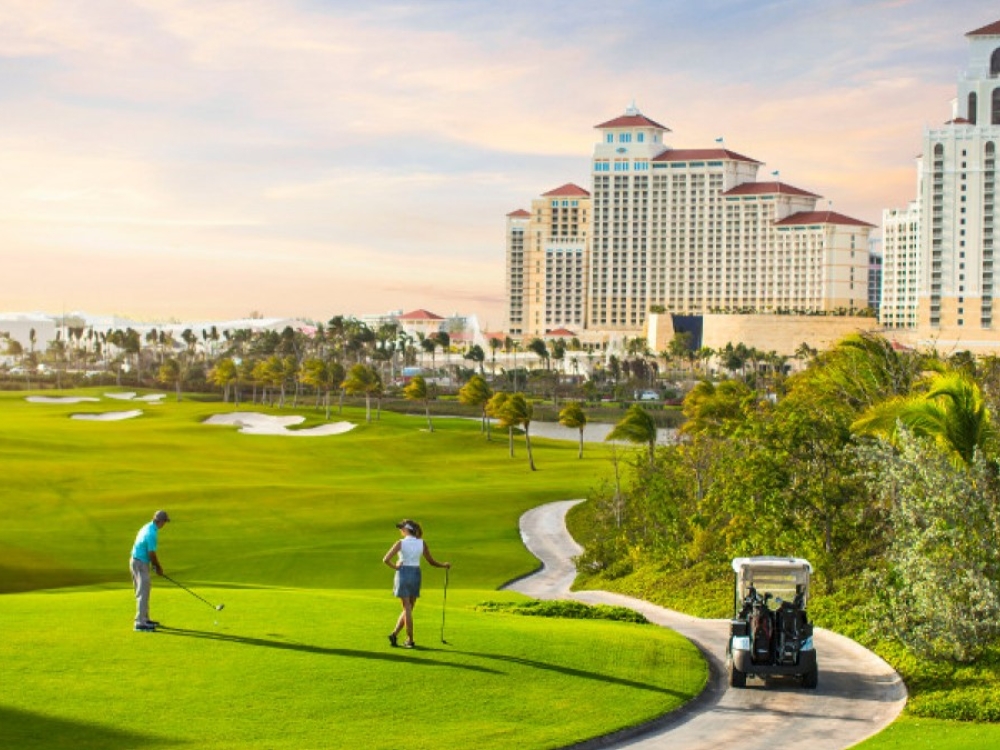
(686, 231)
(547, 262)
(952, 223)
(874, 273)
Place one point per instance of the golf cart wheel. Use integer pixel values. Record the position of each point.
(737, 679)
(811, 678)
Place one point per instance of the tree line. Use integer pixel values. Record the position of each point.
(878, 464)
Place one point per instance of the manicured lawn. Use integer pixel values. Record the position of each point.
(289, 533)
(908, 733)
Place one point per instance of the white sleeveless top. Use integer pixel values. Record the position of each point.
(410, 550)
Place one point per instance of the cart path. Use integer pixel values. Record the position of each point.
(858, 694)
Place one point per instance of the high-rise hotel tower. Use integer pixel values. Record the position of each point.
(688, 230)
(942, 250)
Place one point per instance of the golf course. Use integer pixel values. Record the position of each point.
(286, 532)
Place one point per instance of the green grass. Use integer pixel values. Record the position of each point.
(289, 533)
(909, 733)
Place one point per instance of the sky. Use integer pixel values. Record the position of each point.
(210, 159)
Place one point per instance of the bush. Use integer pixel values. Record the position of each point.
(565, 609)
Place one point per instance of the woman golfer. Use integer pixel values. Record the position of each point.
(406, 585)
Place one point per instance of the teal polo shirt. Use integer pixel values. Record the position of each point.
(145, 542)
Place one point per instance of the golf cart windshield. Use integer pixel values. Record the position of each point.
(784, 578)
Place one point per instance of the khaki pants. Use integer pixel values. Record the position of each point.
(141, 583)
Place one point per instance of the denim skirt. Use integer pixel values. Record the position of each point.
(407, 582)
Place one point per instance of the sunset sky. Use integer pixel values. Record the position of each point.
(202, 159)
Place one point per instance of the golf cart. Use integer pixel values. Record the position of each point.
(770, 633)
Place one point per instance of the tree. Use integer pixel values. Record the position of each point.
(637, 426)
(335, 375)
(680, 346)
(363, 379)
(419, 390)
(952, 413)
(477, 392)
(712, 409)
(313, 375)
(516, 411)
(939, 593)
(477, 355)
(171, 372)
(496, 408)
(574, 417)
(538, 347)
(223, 374)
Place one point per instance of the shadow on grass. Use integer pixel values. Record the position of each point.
(26, 730)
(321, 650)
(573, 672)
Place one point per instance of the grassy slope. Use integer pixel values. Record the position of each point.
(289, 533)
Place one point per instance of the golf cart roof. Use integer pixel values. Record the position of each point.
(790, 563)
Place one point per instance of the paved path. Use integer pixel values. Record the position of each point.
(858, 695)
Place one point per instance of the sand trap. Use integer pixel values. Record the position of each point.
(109, 416)
(254, 423)
(132, 397)
(59, 399)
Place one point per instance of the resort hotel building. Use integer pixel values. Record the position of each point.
(688, 233)
(940, 256)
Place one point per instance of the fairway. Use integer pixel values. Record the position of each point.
(288, 533)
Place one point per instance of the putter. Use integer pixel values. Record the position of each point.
(443, 603)
(216, 607)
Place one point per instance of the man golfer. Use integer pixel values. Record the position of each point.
(144, 556)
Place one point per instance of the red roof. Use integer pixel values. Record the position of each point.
(958, 121)
(768, 188)
(420, 315)
(689, 154)
(560, 333)
(519, 214)
(568, 189)
(632, 121)
(820, 217)
(992, 30)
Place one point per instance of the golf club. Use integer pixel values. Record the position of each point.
(217, 607)
(443, 603)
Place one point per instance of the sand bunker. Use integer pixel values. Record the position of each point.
(254, 423)
(109, 416)
(59, 399)
(132, 397)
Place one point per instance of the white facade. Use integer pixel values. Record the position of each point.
(692, 231)
(901, 264)
(953, 221)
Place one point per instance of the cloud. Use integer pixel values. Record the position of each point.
(336, 156)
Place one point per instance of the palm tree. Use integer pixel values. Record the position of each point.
(223, 374)
(496, 408)
(477, 355)
(517, 411)
(636, 427)
(538, 347)
(709, 408)
(312, 374)
(953, 413)
(335, 375)
(418, 390)
(574, 417)
(477, 392)
(363, 379)
(171, 371)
